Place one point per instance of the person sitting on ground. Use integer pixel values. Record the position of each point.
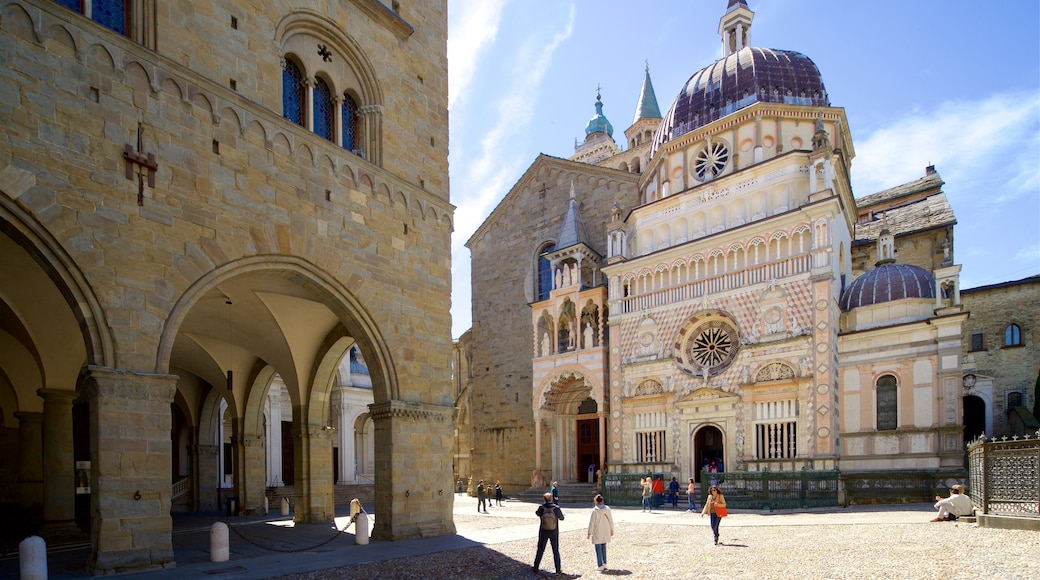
(957, 505)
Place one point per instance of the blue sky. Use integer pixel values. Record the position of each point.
(954, 83)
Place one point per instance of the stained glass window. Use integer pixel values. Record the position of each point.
(322, 109)
(350, 123)
(544, 272)
(111, 14)
(887, 416)
(292, 93)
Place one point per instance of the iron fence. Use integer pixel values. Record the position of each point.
(1005, 475)
(624, 489)
(769, 490)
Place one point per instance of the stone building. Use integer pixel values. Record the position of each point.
(713, 291)
(224, 262)
(1001, 345)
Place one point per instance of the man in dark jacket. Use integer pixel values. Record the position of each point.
(549, 516)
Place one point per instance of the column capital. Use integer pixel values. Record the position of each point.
(105, 381)
(401, 409)
(57, 395)
(29, 416)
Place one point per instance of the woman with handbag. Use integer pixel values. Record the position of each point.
(716, 508)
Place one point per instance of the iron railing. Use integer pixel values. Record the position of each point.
(1004, 475)
(768, 490)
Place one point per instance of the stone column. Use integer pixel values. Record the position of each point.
(274, 438)
(250, 481)
(30, 468)
(130, 450)
(313, 488)
(413, 443)
(209, 476)
(308, 112)
(59, 474)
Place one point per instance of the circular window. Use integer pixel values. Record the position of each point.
(708, 342)
(711, 161)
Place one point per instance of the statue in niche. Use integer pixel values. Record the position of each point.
(545, 344)
(804, 365)
(558, 279)
(745, 375)
(571, 335)
(588, 336)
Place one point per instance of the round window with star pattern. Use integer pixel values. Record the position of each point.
(707, 342)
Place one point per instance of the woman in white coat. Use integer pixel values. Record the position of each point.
(601, 529)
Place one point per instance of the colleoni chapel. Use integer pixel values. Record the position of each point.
(714, 292)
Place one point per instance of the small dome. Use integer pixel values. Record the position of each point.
(887, 283)
(748, 76)
(598, 123)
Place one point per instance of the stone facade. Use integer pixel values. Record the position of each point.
(198, 200)
(1003, 370)
(723, 271)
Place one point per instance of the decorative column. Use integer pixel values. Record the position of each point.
(345, 437)
(130, 452)
(30, 469)
(59, 474)
(308, 113)
(274, 438)
(337, 119)
(313, 490)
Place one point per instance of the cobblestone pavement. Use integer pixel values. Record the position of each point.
(869, 542)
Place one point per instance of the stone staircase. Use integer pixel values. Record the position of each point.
(571, 494)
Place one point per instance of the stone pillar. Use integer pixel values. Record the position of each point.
(59, 473)
(274, 438)
(308, 112)
(30, 468)
(250, 482)
(130, 449)
(413, 443)
(313, 488)
(209, 476)
(345, 438)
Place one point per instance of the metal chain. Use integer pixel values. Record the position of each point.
(337, 534)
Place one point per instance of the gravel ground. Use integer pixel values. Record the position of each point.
(778, 550)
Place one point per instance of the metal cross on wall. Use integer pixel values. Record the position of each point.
(324, 52)
(135, 157)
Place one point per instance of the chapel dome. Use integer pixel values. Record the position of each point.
(887, 283)
(745, 77)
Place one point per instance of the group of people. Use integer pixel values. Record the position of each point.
(601, 522)
(484, 495)
(653, 493)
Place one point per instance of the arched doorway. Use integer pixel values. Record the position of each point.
(707, 446)
(587, 444)
(974, 417)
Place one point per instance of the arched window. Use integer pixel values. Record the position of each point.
(544, 272)
(292, 92)
(1012, 335)
(350, 124)
(323, 109)
(887, 416)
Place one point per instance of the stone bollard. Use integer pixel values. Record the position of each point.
(285, 506)
(32, 558)
(219, 547)
(361, 529)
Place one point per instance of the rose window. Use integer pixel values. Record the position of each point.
(711, 161)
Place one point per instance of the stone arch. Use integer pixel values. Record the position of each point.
(323, 287)
(18, 22)
(61, 268)
(60, 34)
(100, 59)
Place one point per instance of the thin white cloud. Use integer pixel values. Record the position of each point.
(488, 176)
(1029, 255)
(474, 27)
(963, 139)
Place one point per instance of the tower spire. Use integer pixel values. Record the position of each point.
(647, 107)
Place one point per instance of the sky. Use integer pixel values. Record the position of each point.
(949, 83)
